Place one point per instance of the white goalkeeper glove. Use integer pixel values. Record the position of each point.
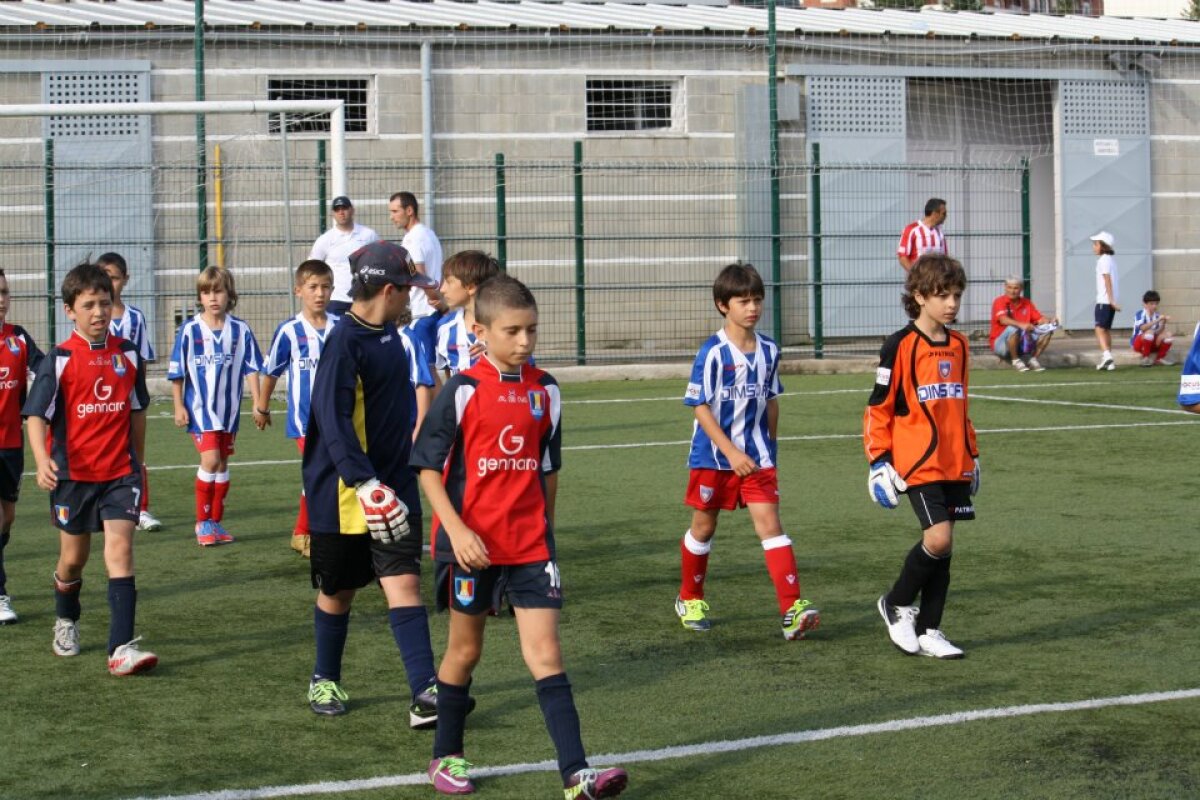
(975, 479)
(387, 516)
(884, 483)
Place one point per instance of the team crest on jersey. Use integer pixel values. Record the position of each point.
(62, 514)
(944, 368)
(537, 403)
(464, 591)
(118, 364)
(706, 493)
(13, 346)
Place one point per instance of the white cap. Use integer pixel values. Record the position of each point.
(1104, 236)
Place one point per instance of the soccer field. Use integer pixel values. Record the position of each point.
(1076, 583)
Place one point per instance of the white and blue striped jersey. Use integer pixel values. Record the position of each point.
(736, 387)
(1141, 318)
(132, 327)
(213, 366)
(296, 350)
(454, 343)
(1189, 379)
(418, 359)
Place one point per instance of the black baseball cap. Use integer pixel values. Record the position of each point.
(341, 201)
(387, 262)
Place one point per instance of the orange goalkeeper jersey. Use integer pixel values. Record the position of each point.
(917, 415)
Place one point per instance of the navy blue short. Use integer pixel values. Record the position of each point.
(535, 585)
(338, 563)
(79, 507)
(12, 464)
(941, 502)
(1105, 314)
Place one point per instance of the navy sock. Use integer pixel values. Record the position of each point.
(562, 721)
(331, 630)
(66, 598)
(933, 596)
(122, 602)
(410, 627)
(453, 703)
(3, 576)
(918, 567)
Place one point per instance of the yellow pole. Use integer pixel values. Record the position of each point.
(219, 205)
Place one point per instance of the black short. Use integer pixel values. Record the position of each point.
(535, 585)
(941, 502)
(83, 506)
(338, 562)
(1105, 314)
(12, 464)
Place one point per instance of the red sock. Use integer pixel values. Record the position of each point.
(1143, 346)
(204, 495)
(781, 564)
(694, 567)
(145, 490)
(1163, 347)
(301, 528)
(220, 489)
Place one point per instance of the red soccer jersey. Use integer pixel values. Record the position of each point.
(1022, 310)
(493, 436)
(87, 391)
(19, 356)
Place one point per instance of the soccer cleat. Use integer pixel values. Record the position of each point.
(300, 543)
(692, 614)
(934, 644)
(589, 784)
(206, 535)
(127, 659)
(7, 615)
(1106, 363)
(223, 536)
(327, 698)
(1035, 365)
(423, 711)
(1019, 365)
(66, 637)
(800, 619)
(448, 775)
(901, 622)
(148, 522)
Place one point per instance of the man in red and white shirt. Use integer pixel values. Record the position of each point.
(924, 235)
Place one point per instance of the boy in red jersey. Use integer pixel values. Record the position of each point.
(84, 412)
(488, 455)
(19, 357)
(920, 440)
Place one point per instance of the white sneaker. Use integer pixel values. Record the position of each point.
(1019, 365)
(1036, 365)
(66, 637)
(1106, 363)
(127, 659)
(148, 522)
(1164, 362)
(7, 615)
(935, 645)
(1147, 361)
(901, 625)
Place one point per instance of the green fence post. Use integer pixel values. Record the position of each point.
(201, 143)
(322, 188)
(814, 199)
(580, 294)
(1026, 248)
(501, 216)
(776, 245)
(48, 188)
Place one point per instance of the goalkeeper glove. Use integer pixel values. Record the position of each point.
(975, 479)
(883, 484)
(387, 516)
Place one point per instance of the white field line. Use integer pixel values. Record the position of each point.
(1111, 406)
(702, 748)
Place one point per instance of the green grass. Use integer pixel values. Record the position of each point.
(1077, 581)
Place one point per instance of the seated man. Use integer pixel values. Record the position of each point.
(1019, 329)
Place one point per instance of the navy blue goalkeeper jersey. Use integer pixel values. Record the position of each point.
(359, 426)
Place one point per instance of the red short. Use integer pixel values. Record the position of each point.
(712, 489)
(300, 445)
(221, 441)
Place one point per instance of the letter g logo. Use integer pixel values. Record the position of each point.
(102, 392)
(517, 441)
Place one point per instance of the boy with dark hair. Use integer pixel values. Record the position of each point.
(489, 454)
(364, 509)
(732, 392)
(296, 350)
(1151, 338)
(19, 358)
(83, 412)
(919, 439)
(463, 272)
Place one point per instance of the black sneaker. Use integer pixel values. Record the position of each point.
(327, 698)
(423, 712)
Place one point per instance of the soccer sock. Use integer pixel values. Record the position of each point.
(933, 596)
(122, 602)
(204, 494)
(694, 567)
(562, 721)
(410, 628)
(452, 705)
(331, 630)
(1143, 346)
(781, 565)
(1163, 347)
(4, 537)
(145, 489)
(1106, 355)
(301, 528)
(220, 489)
(66, 598)
(918, 566)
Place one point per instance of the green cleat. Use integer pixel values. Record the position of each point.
(327, 698)
(692, 613)
(799, 620)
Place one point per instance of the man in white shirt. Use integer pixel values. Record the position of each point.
(426, 251)
(334, 247)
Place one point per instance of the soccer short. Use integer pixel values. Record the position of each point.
(12, 464)
(221, 441)
(941, 502)
(83, 507)
(338, 562)
(535, 585)
(1105, 314)
(425, 329)
(722, 489)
